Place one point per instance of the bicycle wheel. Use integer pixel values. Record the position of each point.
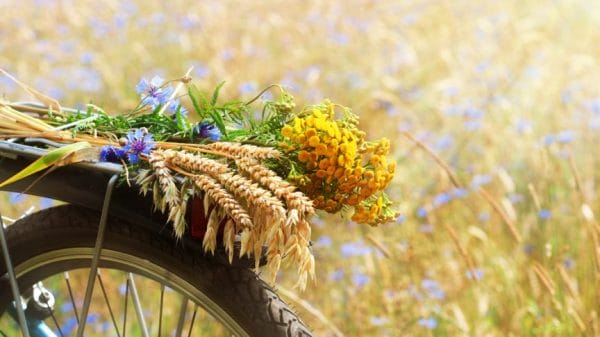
(49, 243)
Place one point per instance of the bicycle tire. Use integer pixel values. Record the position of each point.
(245, 300)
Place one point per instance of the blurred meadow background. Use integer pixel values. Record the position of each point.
(492, 108)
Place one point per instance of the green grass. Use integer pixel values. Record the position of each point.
(505, 91)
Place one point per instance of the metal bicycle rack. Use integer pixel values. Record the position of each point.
(93, 268)
(19, 309)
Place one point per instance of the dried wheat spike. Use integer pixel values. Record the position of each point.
(229, 239)
(224, 199)
(265, 208)
(243, 150)
(144, 179)
(299, 205)
(171, 195)
(196, 163)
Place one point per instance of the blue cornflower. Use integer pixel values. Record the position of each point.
(565, 137)
(422, 212)
(324, 241)
(360, 279)
(544, 214)
(207, 130)
(351, 249)
(174, 105)
(153, 93)
(441, 199)
(138, 142)
(569, 263)
(475, 274)
(429, 323)
(112, 154)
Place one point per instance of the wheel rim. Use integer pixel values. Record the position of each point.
(53, 262)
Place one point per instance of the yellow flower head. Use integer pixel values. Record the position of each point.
(340, 168)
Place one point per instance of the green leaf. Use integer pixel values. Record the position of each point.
(215, 95)
(51, 158)
(197, 98)
(218, 119)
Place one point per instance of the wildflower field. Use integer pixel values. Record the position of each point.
(491, 108)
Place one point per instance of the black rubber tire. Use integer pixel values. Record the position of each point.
(238, 291)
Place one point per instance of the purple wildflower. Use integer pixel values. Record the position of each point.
(112, 154)
(429, 323)
(153, 93)
(138, 142)
(174, 105)
(544, 214)
(207, 130)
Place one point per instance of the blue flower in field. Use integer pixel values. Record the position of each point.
(565, 137)
(516, 198)
(174, 105)
(548, 140)
(484, 217)
(69, 326)
(475, 274)
(358, 248)
(528, 248)
(401, 219)
(544, 214)
(247, 88)
(66, 307)
(433, 289)
(336, 275)
(480, 180)
(360, 279)
(458, 193)
(112, 154)
(207, 130)
(324, 241)
(429, 323)
(153, 93)
(441, 199)
(379, 321)
(421, 212)
(569, 263)
(138, 142)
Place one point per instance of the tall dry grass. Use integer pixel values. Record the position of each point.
(502, 94)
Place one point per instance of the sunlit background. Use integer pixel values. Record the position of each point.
(492, 107)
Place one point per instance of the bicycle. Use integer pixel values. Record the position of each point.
(110, 227)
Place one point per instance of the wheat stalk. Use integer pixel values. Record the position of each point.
(243, 150)
(224, 199)
(299, 205)
(172, 196)
(195, 163)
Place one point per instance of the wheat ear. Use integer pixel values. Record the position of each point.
(224, 199)
(171, 195)
(299, 205)
(243, 150)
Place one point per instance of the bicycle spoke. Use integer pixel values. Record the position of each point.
(138, 307)
(110, 311)
(125, 310)
(182, 309)
(51, 312)
(160, 314)
(66, 275)
(193, 319)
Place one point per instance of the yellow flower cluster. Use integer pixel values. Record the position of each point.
(340, 167)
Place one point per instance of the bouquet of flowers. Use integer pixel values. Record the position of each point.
(261, 167)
